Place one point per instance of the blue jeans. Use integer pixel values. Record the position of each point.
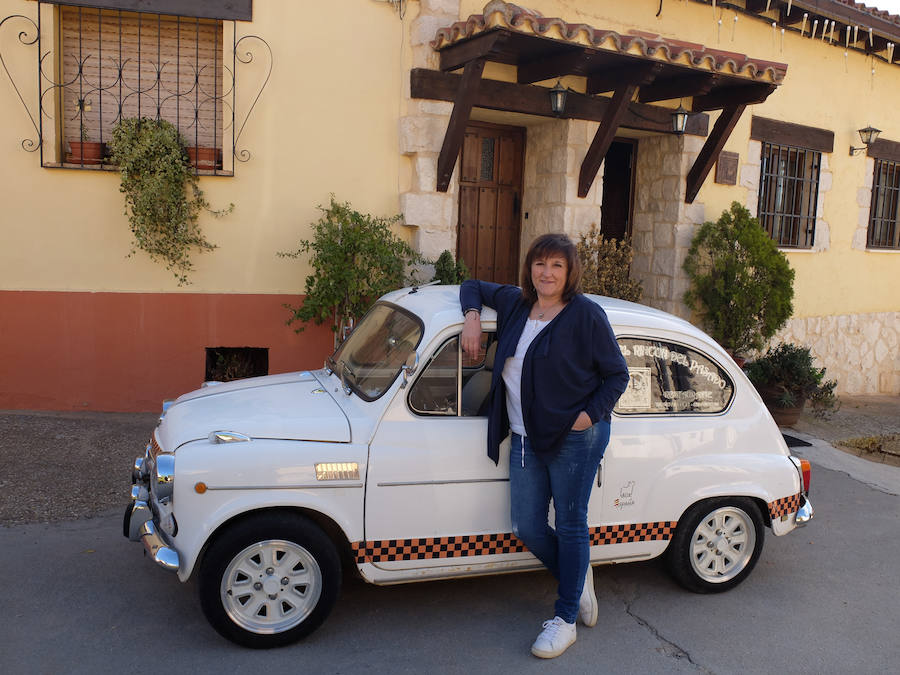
(568, 479)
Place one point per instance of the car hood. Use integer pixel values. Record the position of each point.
(292, 406)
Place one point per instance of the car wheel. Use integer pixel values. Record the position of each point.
(716, 544)
(269, 580)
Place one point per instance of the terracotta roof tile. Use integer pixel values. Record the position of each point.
(499, 14)
(871, 9)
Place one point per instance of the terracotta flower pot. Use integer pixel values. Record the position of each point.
(86, 152)
(783, 416)
(205, 158)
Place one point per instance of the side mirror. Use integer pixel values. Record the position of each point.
(410, 367)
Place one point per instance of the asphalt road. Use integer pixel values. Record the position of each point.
(80, 598)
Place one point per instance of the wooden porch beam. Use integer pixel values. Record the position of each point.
(564, 63)
(731, 96)
(618, 106)
(679, 87)
(711, 149)
(533, 100)
(611, 79)
(458, 55)
(456, 129)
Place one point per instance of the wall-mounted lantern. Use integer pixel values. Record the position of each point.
(679, 119)
(558, 98)
(867, 135)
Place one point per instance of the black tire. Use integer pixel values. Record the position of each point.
(269, 580)
(716, 544)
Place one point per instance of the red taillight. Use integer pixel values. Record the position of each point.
(806, 470)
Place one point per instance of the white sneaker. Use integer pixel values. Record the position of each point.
(587, 604)
(554, 639)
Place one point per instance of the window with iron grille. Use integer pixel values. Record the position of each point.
(789, 190)
(885, 209)
(117, 64)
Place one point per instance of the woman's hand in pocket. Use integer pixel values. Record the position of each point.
(582, 422)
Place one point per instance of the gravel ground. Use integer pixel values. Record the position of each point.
(857, 417)
(65, 466)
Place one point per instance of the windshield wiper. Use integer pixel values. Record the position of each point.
(344, 371)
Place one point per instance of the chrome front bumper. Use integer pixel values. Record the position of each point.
(142, 524)
(805, 513)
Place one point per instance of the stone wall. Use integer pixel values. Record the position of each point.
(860, 351)
(553, 155)
(544, 188)
(663, 223)
(864, 204)
(433, 214)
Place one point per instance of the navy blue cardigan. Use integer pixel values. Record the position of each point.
(573, 364)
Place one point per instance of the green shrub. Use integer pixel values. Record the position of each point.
(448, 271)
(742, 286)
(356, 258)
(606, 264)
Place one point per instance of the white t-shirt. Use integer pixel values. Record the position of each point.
(512, 375)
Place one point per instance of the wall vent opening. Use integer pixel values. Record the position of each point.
(224, 364)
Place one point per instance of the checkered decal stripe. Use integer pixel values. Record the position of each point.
(630, 532)
(390, 550)
(784, 506)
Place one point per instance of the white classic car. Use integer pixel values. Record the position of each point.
(266, 487)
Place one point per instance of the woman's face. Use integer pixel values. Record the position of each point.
(549, 276)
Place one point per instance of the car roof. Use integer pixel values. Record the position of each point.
(438, 306)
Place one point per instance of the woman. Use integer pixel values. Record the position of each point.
(561, 374)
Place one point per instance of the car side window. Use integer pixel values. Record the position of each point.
(666, 378)
(454, 384)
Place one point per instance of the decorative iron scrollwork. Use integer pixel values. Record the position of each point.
(28, 144)
(99, 82)
(247, 57)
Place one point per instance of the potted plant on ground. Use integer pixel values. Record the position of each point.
(742, 286)
(786, 379)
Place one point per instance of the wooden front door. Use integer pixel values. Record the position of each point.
(490, 201)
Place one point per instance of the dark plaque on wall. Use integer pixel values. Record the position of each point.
(726, 168)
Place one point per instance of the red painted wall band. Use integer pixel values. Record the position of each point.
(126, 352)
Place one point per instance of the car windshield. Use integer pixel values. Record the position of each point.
(370, 359)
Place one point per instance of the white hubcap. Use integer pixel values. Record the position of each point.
(723, 544)
(271, 586)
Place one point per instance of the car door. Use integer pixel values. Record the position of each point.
(434, 498)
(667, 429)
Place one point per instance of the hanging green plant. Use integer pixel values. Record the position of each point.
(162, 197)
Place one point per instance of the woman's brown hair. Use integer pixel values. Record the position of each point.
(545, 246)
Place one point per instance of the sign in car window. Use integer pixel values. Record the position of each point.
(665, 377)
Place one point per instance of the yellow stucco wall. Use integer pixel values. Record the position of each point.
(326, 122)
(818, 91)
